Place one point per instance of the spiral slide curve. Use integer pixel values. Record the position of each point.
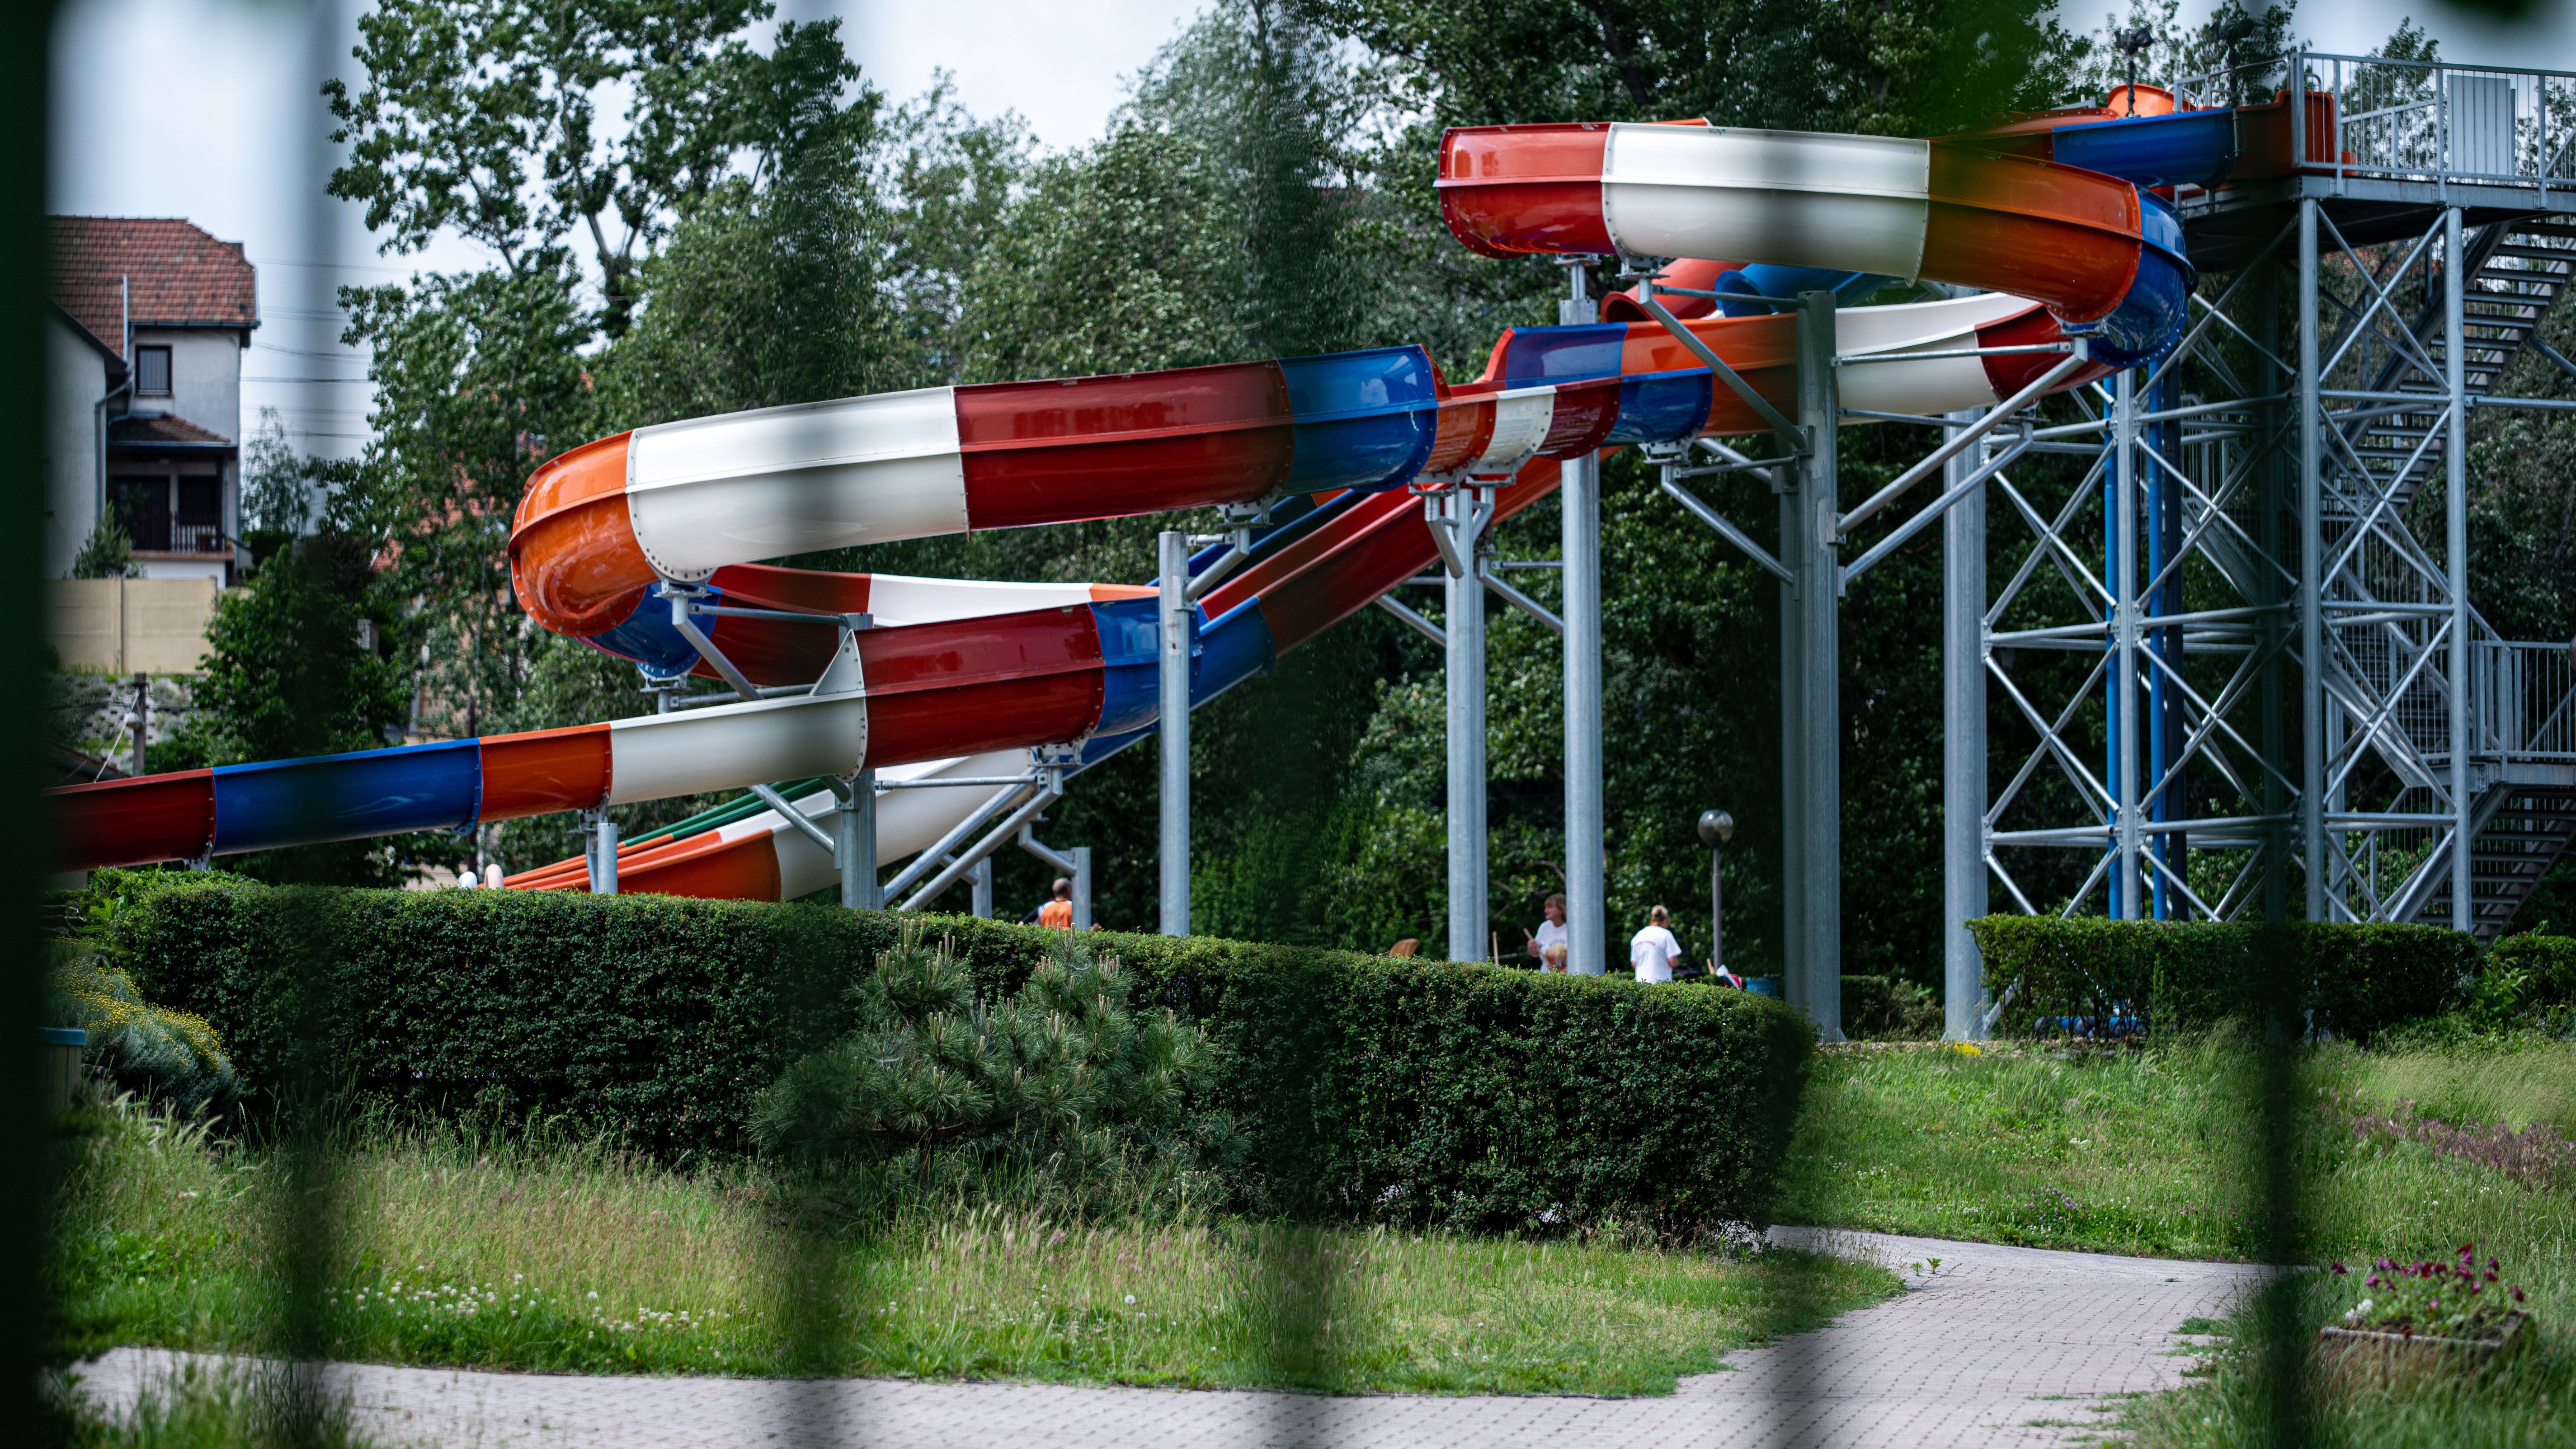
(962, 676)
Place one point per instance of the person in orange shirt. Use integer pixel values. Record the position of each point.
(1057, 913)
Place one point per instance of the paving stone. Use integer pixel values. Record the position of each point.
(2002, 1346)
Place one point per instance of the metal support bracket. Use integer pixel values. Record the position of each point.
(805, 823)
(1958, 443)
(1790, 433)
(1523, 602)
(1414, 621)
(1727, 530)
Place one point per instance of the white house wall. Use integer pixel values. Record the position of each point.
(205, 377)
(77, 371)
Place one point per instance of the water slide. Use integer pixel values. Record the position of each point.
(636, 542)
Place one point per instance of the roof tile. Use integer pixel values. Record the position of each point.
(179, 274)
(159, 428)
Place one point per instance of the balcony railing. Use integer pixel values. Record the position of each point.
(2412, 120)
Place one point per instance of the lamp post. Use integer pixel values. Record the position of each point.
(1716, 827)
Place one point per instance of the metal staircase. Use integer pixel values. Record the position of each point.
(2523, 695)
(2517, 272)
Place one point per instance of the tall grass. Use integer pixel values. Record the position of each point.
(570, 1256)
(2147, 1151)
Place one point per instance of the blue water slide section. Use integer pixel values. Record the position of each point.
(1363, 419)
(1229, 649)
(346, 797)
(1663, 407)
(2149, 320)
(645, 637)
(1130, 664)
(1764, 279)
(2187, 148)
(1233, 647)
(1534, 355)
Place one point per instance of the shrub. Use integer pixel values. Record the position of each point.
(2352, 980)
(169, 1056)
(930, 1064)
(1884, 1008)
(2528, 980)
(1420, 1092)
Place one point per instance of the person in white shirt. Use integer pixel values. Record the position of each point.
(1654, 952)
(1549, 944)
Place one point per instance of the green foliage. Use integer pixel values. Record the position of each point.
(773, 289)
(477, 381)
(540, 1254)
(482, 117)
(2526, 980)
(1884, 1008)
(1405, 1091)
(288, 672)
(107, 553)
(930, 1064)
(2352, 980)
(1887, 67)
(169, 1056)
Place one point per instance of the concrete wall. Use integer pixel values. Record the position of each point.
(77, 376)
(130, 626)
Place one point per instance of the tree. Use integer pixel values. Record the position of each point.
(294, 666)
(1067, 1063)
(108, 553)
(478, 379)
(482, 117)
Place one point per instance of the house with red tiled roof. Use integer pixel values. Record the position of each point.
(149, 320)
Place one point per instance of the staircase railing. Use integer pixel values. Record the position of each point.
(2523, 697)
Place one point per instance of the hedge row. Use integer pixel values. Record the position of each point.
(1415, 1091)
(2351, 980)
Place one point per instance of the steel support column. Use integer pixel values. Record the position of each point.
(2455, 538)
(1464, 510)
(855, 844)
(600, 839)
(1811, 705)
(2312, 649)
(1963, 746)
(2122, 574)
(1081, 887)
(1579, 499)
(1173, 734)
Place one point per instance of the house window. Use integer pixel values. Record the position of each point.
(152, 371)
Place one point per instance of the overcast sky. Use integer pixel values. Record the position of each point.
(209, 110)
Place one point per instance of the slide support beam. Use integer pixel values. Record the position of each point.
(1461, 514)
(1811, 708)
(1963, 745)
(2455, 539)
(855, 837)
(1579, 501)
(1173, 735)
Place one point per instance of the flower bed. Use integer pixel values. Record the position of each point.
(2427, 1316)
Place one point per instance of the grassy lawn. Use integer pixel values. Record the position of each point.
(2146, 1152)
(576, 1259)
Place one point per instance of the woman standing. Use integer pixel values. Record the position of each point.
(1654, 952)
(1549, 944)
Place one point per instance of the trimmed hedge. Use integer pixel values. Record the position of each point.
(2353, 980)
(1410, 1091)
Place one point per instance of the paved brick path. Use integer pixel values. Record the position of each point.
(2004, 1346)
